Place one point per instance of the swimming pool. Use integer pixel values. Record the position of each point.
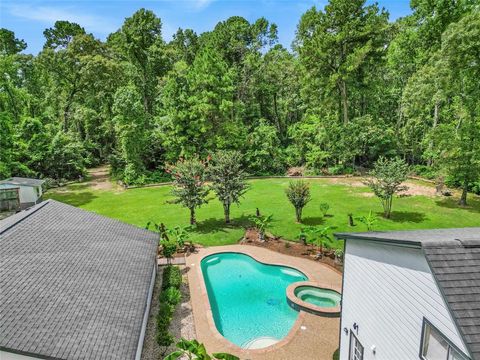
(248, 298)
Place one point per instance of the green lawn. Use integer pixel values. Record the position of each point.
(138, 206)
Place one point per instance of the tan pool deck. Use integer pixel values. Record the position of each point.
(312, 337)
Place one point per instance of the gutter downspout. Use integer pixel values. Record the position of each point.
(146, 314)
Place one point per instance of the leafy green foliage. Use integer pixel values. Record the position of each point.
(179, 234)
(298, 193)
(169, 298)
(369, 220)
(171, 295)
(169, 248)
(172, 277)
(192, 349)
(386, 180)
(320, 236)
(262, 223)
(228, 179)
(9, 44)
(189, 188)
(324, 207)
(357, 87)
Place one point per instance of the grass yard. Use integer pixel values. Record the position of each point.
(138, 206)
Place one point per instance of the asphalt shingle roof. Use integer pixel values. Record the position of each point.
(74, 284)
(415, 237)
(23, 181)
(456, 267)
(454, 257)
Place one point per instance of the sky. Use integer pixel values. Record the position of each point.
(28, 18)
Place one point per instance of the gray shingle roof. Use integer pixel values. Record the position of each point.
(74, 284)
(456, 267)
(415, 237)
(23, 181)
(454, 257)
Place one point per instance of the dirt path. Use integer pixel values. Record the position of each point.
(414, 187)
(99, 179)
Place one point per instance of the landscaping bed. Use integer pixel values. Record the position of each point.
(181, 324)
(291, 248)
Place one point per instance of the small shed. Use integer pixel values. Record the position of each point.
(29, 190)
(9, 197)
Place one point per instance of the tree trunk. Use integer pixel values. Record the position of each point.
(343, 93)
(463, 198)
(277, 118)
(387, 207)
(226, 211)
(298, 213)
(193, 221)
(435, 122)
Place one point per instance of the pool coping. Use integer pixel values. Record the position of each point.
(300, 305)
(258, 254)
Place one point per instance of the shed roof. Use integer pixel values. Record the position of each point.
(23, 181)
(454, 258)
(75, 284)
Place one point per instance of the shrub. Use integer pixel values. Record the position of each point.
(324, 207)
(171, 296)
(164, 317)
(298, 193)
(172, 277)
(164, 338)
(427, 172)
(168, 249)
(454, 181)
(335, 170)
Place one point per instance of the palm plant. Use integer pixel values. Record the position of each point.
(370, 220)
(261, 224)
(192, 349)
(180, 234)
(319, 236)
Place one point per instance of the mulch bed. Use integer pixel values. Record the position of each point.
(282, 246)
(291, 248)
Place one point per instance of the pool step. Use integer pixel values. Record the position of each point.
(260, 342)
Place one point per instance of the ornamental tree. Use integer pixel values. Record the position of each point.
(189, 188)
(386, 180)
(298, 193)
(228, 179)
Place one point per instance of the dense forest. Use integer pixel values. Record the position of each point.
(355, 86)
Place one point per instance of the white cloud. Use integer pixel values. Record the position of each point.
(201, 4)
(48, 15)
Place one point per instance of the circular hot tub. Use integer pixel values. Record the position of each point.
(315, 298)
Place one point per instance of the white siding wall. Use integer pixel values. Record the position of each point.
(387, 292)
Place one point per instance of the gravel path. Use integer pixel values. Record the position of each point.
(182, 324)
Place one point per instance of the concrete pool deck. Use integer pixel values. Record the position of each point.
(312, 337)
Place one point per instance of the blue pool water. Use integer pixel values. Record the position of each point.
(248, 298)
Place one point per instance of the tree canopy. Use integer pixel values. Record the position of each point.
(355, 87)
